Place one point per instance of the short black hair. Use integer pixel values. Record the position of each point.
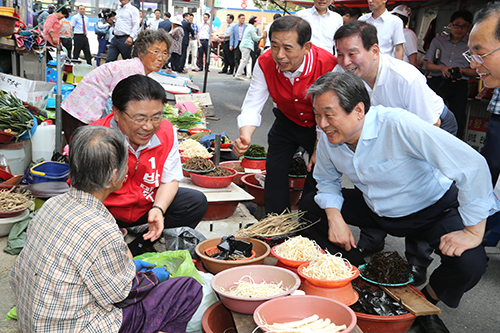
(64, 11)
(207, 14)
(231, 16)
(353, 11)
(157, 10)
(252, 20)
(491, 8)
(137, 87)
(167, 14)
(185, 14)
(366, 31)
(465, 14)
(240, 15)
(292, 23)
(276, 16)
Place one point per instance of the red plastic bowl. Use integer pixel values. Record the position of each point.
(257, 191)
(6, 137)
(259, 273)
(250, 163)
(219, 210)
(217, 319)
(386, 324)
(325, 283)
(240, 172)
(197, 130)
(296, 182)
(212, 182)
(289, 262)
(293, 308)
(223, 145)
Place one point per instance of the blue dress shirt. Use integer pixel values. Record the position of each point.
(403, 165)
(77, 23)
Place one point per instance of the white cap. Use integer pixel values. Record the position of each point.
(402, 10)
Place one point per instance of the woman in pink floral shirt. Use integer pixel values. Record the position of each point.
(87, 102)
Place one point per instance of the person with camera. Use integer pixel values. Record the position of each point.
(103, 30)
(449, 70)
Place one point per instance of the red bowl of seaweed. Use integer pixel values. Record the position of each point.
(387, 269)
(218, 178)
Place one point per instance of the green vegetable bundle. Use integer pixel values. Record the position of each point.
(14, 115)
(255, 151)
(187, 120)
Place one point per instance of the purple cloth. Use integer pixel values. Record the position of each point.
(167, 308)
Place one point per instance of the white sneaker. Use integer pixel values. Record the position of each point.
(240, 78)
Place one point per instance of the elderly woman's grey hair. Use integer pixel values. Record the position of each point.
(94, 152)
(148, 37)
(348, 87)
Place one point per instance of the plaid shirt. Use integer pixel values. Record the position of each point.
(73, 268)
(195, 29)
(494, 106)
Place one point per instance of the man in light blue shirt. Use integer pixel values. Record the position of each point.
(410, 180)
(80, 24)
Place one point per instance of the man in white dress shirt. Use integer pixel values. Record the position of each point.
(323, 23)
(153, 22)
(389, 28)
(125, 31)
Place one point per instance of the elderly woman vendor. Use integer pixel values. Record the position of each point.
(151, 192)
(75, 272)
(87, 102)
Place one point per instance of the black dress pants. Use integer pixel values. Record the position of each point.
(284, 138)
(452, 278)
(228, 58)
(82, 43)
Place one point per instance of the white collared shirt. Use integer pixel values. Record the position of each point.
(153, 23)
(389, 31)
(401, 85)
(257, 95)
(323, 26)
(204, 30)
(127, 21)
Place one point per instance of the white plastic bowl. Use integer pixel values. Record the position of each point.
(8, 222)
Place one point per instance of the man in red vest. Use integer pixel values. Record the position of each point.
(284, 72)
(150, 193)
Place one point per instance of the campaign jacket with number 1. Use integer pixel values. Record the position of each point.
(137, 194)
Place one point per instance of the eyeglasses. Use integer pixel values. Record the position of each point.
(142, 120)
(478, 58)
(459, 26)
(158, 54)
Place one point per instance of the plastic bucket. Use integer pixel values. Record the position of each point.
(43, 142)
(16, 156)
(50, 172)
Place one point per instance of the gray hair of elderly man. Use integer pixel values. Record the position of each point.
(348, 87)
(94, 152)
(491, 8)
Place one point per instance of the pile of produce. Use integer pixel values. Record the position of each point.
(186, 120)
(297, 167)
(255, 151)
(387, 267)
(11, 201)
(329, 267)
(191, 148)
(15, 118)
(375, 301)
(198, 164)
(276, 225)
(247, 287)
(298, 248)
(219, 172)
(313, 324)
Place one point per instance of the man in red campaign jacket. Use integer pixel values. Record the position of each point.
(150, 192)
(284, 72)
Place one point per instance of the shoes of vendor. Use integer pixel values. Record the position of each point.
(183, 72)
(229, 73)
(430, 324)
(419, 275)
(222, 72)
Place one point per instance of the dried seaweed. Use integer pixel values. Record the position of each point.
(375, 301)
(198, 163)
(387, 267)
(219, 172)
(297, 167)
(255, 151)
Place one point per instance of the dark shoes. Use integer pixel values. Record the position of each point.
(430, 324)
(229, 73)
(183, 72)
(223, 72)
(419, 275)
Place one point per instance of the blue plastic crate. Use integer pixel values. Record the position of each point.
(50, 172)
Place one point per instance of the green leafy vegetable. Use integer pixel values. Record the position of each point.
(255, 151)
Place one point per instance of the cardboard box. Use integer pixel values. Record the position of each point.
(33, 92)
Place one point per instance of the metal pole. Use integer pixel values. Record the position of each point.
(58, 101)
